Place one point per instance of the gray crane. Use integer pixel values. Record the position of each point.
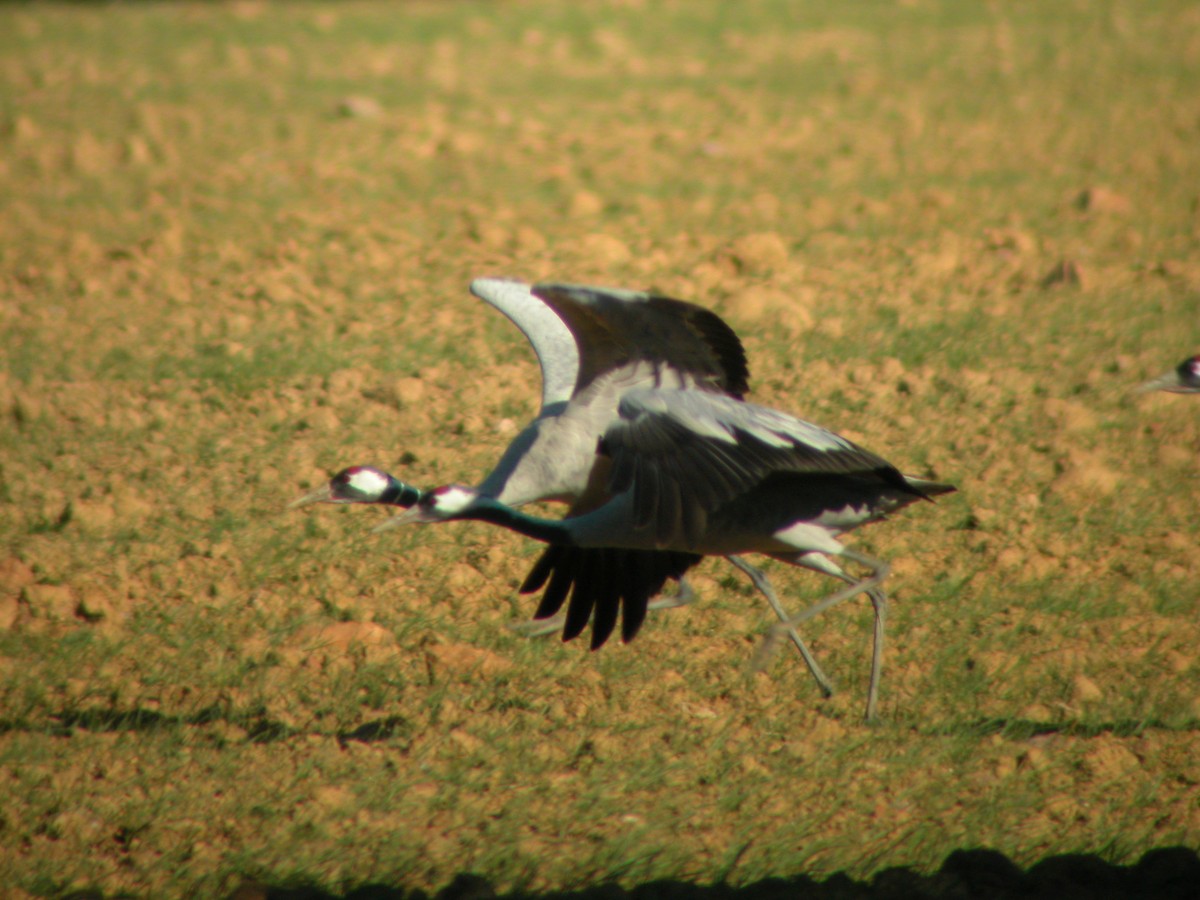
(592, 344)
(699, 472)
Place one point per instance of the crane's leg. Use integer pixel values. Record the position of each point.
(764, 587)
(553, 625)
(539, 627)
(877, 572)
(879, 602)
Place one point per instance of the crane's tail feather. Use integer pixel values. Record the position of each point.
(928, 489)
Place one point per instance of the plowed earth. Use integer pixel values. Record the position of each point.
(235, 242)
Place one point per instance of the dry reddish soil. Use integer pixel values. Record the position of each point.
(234, 253)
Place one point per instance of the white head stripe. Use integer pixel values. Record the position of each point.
(453, 499)
(367, 481)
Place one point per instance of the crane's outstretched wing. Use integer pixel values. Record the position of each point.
(613, 328)
(603, 582)
(684, 454)
(580, 332)
(549, 336)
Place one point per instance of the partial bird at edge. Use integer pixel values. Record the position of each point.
(1183, 379)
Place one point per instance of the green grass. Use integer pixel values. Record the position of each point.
(216, 289)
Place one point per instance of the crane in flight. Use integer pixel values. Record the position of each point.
(696, 472)
(593, 345)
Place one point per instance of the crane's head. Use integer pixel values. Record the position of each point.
(1183, 379)
(362, 484)
(451, 501)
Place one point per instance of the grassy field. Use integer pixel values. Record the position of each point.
(235, 242)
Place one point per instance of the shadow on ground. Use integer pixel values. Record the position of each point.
(1172, 872)
(261, 729)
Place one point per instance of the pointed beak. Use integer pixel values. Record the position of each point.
(407, 517)
(320, 495)
(1168, 382)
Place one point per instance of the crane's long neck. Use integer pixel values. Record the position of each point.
(549, 531)
(400, 494)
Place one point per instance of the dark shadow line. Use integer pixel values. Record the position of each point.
(1023, 729)
(1169, 873)
(262, 729)
(259, 728)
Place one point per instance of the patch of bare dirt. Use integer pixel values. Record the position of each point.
(229, 270)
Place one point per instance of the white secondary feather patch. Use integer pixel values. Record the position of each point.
(705, 427)
(849, 516)
(672, 404)
(769, 436)
(592, 294)
(809, 537)
(719, 416)
(780, 429)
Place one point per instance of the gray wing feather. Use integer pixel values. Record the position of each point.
(684, 454)
(615, 327)
(580, 332)
(546, 332)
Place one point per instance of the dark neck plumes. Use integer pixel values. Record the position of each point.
(400, 494)
(549, 531)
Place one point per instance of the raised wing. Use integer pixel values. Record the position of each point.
(683, 454)
(580, 332)
(615, 327)
(546, 332)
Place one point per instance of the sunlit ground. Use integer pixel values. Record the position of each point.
(235, 243)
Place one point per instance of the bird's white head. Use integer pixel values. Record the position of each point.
(438, 505)
(359, 484)
(362, 484)
(448, 501)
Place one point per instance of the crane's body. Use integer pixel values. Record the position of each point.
(552, 458)
(776, 518)
(709, 475)
(594, 347)
(694, 472)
